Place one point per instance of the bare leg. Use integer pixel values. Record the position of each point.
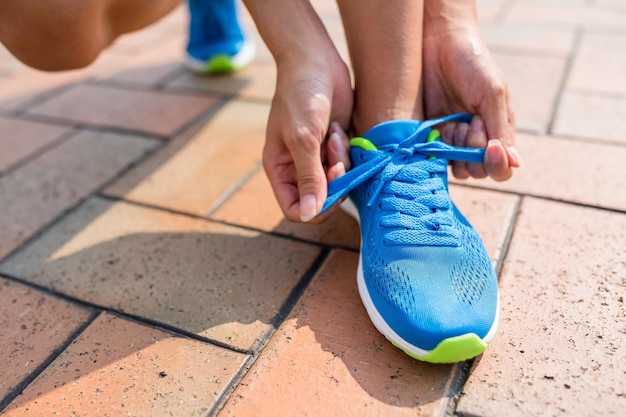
(385, 41)
(64, 34)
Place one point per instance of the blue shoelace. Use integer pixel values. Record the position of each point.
(410, 177)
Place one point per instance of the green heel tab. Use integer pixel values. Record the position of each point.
(363, 143)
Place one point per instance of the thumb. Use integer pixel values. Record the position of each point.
(311, 177)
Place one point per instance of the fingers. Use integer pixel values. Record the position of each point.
(338, 147)
(305, 148)
(499, 121)
(496, 163)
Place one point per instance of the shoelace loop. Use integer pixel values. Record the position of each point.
(390, 159)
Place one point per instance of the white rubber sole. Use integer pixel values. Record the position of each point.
(240, 60)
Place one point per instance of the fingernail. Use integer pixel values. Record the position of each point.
(494, 156)
(308, 207)
(340, 169)
(477, 124)
(336, 143)
(517, 157)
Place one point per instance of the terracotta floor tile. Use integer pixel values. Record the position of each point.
(598, 63)
(254, 205)
(217, 281)
(534, 83)
(21, 138)
(524, 40)
(561, 347)
(583, 173)
(116, 367)
(568, 14)
(50, 184)
(126, 109)
(193, 172)
(34, 325)
(592, 117)
(258, 81)
(329, 360)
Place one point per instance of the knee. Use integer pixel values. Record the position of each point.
(52, 36)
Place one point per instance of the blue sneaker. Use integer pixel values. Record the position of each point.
(217, 43)
(424, 276)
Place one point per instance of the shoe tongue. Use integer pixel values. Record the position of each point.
(392, 132)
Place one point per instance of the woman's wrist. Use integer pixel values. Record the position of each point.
(292, 30)
(444, 16)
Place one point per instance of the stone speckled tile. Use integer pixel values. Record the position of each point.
(120, 368)
(327, 359)
(52, 183)
(34, 326)
(561, 345)
(217, 281)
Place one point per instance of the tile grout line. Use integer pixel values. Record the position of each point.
(222, 222)
(232, 190)
(67, 211)
(579, 139)
(126, 316)
(40, 152)
(165, 88)
(542, 197)
(462, 373)
(279, 318)
(569, 64)
(508, 236)
(19, 388)
(60, 121)
(46, 95)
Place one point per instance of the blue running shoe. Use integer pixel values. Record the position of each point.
(424, 276)
(217, 43)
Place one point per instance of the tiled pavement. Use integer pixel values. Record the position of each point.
(146, 270)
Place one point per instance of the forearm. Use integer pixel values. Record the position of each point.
(385, 41)
(290, 29)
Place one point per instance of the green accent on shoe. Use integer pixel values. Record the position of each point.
(452, 350)
(220, 64)
(433, 136)
(363, 143)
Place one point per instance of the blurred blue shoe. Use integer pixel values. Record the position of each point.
(217, 43)
(424, 275)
